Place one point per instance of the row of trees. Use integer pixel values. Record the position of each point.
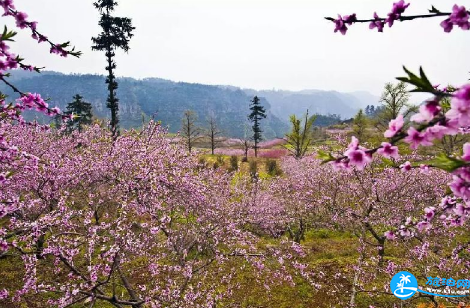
(299, 139)
(191, 132)
(394, 100)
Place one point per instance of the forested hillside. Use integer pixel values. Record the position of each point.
(162, 99)
(167, 100)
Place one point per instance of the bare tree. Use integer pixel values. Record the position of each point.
(190, 131)
(451, 144)
(246, 142)
(213, 132)
(395, 101)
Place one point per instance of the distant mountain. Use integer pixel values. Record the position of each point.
(164, 100)
(285, 103)
(365, 98)
(167, 100)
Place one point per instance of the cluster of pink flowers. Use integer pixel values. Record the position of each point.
(343, 21)
(29, 101)
(397, 9)
(57, 49)
(273, 153)
(459, 114)
(266, 153)
(459, 17)
(448, 124)
(9, 61)
(34, 101)
(434, 121)
(436, 126)
(379, 23)
(357, 156)
(10, 156)
(21, 19)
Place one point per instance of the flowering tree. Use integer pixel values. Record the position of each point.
(442, 117)
(363, 206)
(10, 154)
(436, 118)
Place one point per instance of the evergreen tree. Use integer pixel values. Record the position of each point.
(370, 111)
(82, 111)
(360, 125)
(257, 114)
(117, 32)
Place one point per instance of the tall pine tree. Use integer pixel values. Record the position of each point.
(117, 32)
(82, 112)
(257, 114)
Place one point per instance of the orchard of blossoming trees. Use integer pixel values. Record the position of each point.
(91, 219)
(436, 119)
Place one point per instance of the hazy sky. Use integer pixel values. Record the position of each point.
(260, 44)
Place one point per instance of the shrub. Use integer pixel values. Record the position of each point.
(202, 161)
(220, 160)
(272, 168)
(253, 168)
(233, 163)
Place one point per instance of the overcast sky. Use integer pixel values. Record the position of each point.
(260, 44)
